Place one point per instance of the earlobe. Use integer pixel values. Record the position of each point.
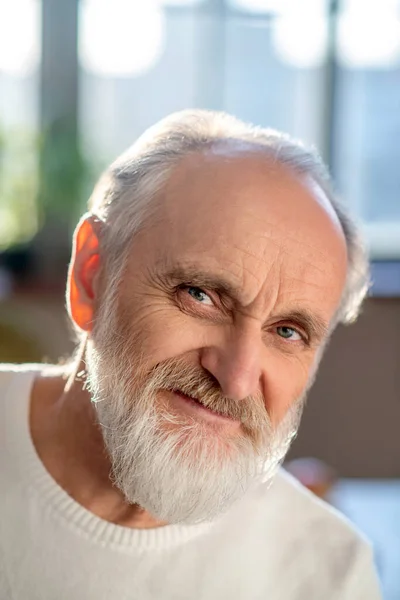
(83, 272)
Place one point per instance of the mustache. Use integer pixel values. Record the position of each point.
(176, 375)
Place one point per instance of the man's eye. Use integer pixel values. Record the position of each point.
(288, 333)
(200, 296)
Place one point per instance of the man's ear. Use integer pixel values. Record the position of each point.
(83, 272)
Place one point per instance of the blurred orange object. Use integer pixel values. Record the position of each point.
(314, 474)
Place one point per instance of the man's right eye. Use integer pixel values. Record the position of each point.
(199, 295)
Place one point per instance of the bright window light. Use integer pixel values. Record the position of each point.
(369, 37)
(383, 239)
(299, 31)
(181, 3)
(301, 41)
(300, 34)
(122, 38)
(261, 6)
(19, 36)
(282, 7)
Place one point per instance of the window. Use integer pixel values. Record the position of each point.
(275, 57)
(331, 77)
(325, 71)
(19, 116)
(147, 69)
(366, 135)
(206, 54)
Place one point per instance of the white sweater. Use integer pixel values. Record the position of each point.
(279, 543)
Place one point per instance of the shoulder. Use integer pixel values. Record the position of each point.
(305, 512)
(284, 510)
(325, 541)
(305, 544)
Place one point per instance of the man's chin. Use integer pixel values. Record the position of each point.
(200, 500)
(200, 477)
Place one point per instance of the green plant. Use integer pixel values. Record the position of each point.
(18, 187)
(65, 173)
(43, 177)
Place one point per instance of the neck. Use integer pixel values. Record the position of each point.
(69, 442)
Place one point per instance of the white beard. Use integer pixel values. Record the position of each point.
(176, 468)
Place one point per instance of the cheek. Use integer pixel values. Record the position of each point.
(286, 378)
(163, 333)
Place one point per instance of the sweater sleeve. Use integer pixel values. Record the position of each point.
(362, 583)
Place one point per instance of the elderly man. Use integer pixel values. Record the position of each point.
(204, 284)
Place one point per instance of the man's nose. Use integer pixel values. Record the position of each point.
(236, 363)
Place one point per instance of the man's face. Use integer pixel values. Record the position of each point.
(199, 371)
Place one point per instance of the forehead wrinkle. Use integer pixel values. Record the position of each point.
(323, 255)
(278, 234)
(253, 255)
(276, 263)
(284, 251)
(267, 261)
(273, 295)
(280, 302)
(260, 282)
(311, 284)
(288, 252)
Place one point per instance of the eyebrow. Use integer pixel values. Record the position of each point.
(315, 326)
(190, 273)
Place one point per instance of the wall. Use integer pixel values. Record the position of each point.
(352, 419)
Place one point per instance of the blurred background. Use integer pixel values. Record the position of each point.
(81, 79)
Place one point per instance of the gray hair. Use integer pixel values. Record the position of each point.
(123, 197)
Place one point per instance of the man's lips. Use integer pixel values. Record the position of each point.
(194, 406)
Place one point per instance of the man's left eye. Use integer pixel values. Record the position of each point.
(200, 296)
(288, 333)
